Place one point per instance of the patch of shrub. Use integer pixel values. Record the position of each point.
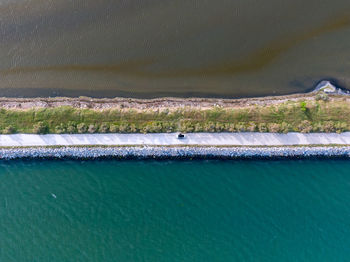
(231, 127)
(303, 106)
(71, 129)
(9, 130)
(198, 127)
(152, 127)
(305, 126)
(317, 127)
(60, 129)
(240, 127)
(82, 128)
(186, 126)
(104, 128)
(168, 127)
(285, 127)
(124, 128)
(156, 127)
(262, 127)
(251, 127)
(341, 127)
(40, 128)
(133, 128)
(322, 96)
(209, 127)
(328, 127)
(113, 128)
(274, 128)
(146, 129)
(219, 127)
(92, 129)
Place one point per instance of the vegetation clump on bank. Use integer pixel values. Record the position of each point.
(320, 114)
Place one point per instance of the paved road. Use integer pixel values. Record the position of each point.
(232, 139)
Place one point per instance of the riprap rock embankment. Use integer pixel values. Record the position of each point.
(172, 152)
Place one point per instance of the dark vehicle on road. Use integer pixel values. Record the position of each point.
(180, 136)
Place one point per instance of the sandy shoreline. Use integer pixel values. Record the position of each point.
(142, 104)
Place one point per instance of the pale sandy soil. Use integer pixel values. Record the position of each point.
(165, 139)
(141, 104)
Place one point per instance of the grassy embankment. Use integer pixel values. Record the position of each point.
(302, 116)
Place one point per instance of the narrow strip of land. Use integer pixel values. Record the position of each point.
(171, 139)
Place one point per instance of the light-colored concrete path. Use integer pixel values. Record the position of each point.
(211, 139)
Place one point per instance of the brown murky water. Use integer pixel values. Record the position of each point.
(152, 48)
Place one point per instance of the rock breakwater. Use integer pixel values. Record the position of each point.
(172, 152)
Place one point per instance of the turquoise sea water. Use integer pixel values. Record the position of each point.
(175, 211)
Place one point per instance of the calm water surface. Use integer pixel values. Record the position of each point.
(175, 211)
(150, 48)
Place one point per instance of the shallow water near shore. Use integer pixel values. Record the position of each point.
(183, 48)
(109, 210)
